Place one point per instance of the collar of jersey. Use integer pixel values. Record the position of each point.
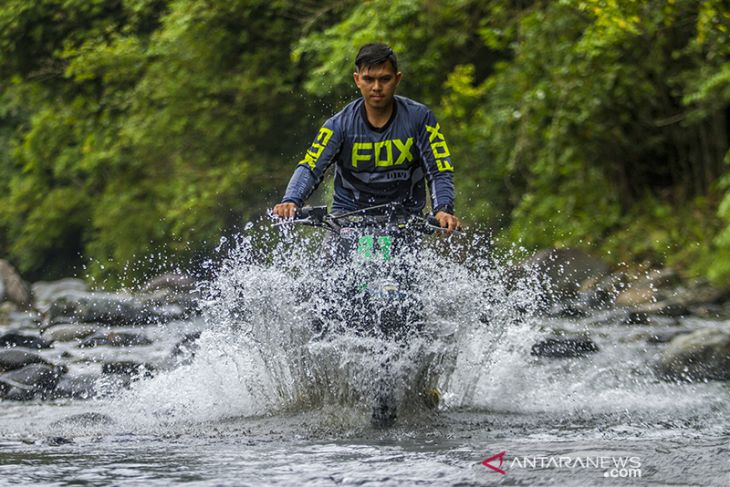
(382, 129)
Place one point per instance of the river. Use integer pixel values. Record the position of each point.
(263, 403)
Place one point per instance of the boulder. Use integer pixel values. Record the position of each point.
(565, 269)
(648, 287)
(40, 377)
(115, 339)
(12, 339)
(562, 347)
(107, 308)
(76, 386)
(703, 354)
(45, 292)
(68, 332)
(17, 358)
(15, 289)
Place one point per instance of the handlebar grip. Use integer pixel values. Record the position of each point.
(312, 212)
(431, 220)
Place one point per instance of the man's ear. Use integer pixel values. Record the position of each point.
(356, 77)
(398, 77)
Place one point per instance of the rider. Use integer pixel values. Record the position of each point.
(385, 147)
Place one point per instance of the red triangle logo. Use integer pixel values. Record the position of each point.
(499, 456)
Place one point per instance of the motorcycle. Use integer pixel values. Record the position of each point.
(377, 298)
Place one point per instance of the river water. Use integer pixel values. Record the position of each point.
(263, 402)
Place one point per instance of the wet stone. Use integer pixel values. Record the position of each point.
(636, 318)
(107, 308)
(16, 358)
(12, 339)
(127, 368)
(115, 339)
(702, 354)
(40, 377)
(665, 336)
(69, 332)
(563, 347)
(16, 392)
(76, 387)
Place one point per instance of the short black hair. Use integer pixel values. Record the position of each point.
(375, 54)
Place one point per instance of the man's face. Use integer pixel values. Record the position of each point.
(377, 84)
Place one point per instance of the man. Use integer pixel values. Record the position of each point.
(385, 148)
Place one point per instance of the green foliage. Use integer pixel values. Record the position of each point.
(131, 128)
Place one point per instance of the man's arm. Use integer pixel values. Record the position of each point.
(439, 172)
(310, 170)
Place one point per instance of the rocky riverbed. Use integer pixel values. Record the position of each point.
(61, 340)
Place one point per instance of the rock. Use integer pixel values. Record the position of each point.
(16, 358)
(127, 368)
(172, 305)
(15, 289)
(76, 387)
(702, 354)
(69, 332)
(16, 392)
(665, 336)
(646, 288)
(636, 318)
(115, 339)
(107, 308)
(40, 377)
(708, 311)
(174, 282)
(565, 269)
(45, 292)
(561, 347)
(12, 339)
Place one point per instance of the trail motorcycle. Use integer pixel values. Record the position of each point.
(379, 293)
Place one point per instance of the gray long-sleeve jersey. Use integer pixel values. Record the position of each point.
(390, 164)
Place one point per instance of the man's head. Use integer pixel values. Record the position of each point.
(377, 75)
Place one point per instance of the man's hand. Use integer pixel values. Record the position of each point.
(448, 221)
(285, 210)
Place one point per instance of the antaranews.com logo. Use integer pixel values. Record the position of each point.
(612, 466)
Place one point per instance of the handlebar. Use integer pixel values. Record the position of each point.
(318, 216)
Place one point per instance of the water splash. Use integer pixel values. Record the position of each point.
(282, 332)
(281, 338)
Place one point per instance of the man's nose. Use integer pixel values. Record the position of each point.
(377, 85)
